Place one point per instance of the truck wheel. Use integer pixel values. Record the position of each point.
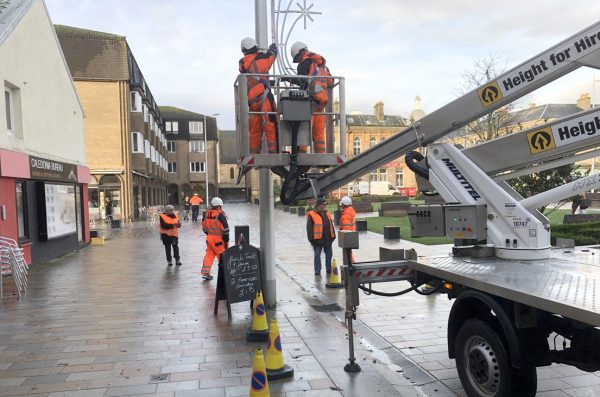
(483, 365)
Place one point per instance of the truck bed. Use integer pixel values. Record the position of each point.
(568, 283)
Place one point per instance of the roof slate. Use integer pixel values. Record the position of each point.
(372, 121)
(11, 12)
(93, 55)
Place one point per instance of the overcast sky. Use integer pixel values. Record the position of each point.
(188, 50)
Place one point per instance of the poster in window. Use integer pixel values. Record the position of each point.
(61, 216)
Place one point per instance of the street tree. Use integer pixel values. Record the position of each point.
(506, 121)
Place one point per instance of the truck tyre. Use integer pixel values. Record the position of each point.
(483, 365)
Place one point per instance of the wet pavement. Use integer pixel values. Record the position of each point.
(108, 320)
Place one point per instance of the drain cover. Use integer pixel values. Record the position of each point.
(158, 378)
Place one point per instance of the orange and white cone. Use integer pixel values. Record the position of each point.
(276, 369)
(259, 332)
(259, 384)
(335, 281)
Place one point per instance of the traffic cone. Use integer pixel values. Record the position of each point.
(259, 332)
(259, 385)
(276, 369)
(335, 281)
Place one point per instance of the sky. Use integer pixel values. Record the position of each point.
(188, 50)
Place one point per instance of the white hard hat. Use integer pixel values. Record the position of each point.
(346, 201)
(216, 202)
(248, 43)
(296, 47)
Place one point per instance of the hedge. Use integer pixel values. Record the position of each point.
(582, 233)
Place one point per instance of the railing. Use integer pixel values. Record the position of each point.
(12, 263)
(335, 130)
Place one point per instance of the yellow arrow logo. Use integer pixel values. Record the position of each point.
(541, 140)
(489, 94)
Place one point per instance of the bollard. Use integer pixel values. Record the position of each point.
(391, 232)
(361, 225)
(301, 211)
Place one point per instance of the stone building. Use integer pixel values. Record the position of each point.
(365, 131)
(124, 131)
(190, 164)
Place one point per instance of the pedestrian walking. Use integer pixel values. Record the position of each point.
(321, 234)
(108, 209)
(195, 202)
(169, 234)
(260, 98)
(186, 209)
(214, 224)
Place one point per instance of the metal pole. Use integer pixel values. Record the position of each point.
(206, 161)
(267, 210)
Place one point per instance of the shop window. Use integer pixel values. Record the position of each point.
(22, 211)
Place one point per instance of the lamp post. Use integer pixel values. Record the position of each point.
(206, 156)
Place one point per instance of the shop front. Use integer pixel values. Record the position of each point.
(43, 205)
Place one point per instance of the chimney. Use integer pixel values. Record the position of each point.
(378, 110)
(584, 102)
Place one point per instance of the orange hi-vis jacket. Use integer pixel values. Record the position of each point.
(347, 220)
(174, 231)
(314, 65)
(212, 226)
(318, 225)
(257, 63)
(196, 200)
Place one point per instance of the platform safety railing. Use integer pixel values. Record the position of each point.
(335, 130)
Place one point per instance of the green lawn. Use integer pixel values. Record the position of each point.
(376, 225)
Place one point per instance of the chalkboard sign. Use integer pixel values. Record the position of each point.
(241, 268)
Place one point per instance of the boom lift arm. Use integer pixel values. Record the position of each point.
(578, 50)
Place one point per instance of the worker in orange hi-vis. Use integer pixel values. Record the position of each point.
(313, 65)
(260, 98)
(195, 202)
(214, 224)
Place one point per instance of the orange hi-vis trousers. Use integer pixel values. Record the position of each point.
(318, 131)
(259, 123)
(215, 246)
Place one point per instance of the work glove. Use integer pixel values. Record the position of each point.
(178, 224)
(273, 48)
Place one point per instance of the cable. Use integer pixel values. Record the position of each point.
(412, 160)
(370, 291)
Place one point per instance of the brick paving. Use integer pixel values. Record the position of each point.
(104, 320)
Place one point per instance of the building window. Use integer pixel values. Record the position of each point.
(137, 142)
(196, 127)
(147, 148)
(372, 141)
(400, 178)
(10, 119)
(197, 166)
(356, 146)
(383, 138)
(382, 174)
(171, 145)
(172, 167)
(136, 101)
(145, 111)
(172, 127)
(197, 146)
(231, 173)
(22, 211)
(373, 176)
